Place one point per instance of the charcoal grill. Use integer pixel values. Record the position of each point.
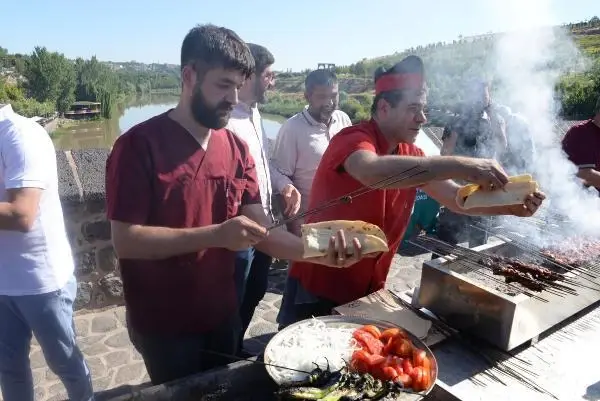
(504, 316)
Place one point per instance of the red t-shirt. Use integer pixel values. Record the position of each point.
(158, 175)
(582, 144)
(390, 209)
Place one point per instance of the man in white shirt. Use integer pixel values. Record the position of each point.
(252, 266)
(303, 138)
(37, 283)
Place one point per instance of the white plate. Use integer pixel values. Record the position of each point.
(348, 322)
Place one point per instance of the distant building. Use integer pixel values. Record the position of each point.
(83, 110)
(326, 66)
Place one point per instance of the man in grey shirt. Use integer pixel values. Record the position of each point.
(302, 140)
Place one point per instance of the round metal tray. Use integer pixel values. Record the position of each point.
(355, 322)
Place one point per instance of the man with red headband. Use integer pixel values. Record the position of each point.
(362, 156)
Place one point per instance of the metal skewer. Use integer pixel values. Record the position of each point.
(394, 179)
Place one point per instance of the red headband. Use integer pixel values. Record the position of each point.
(390, 82)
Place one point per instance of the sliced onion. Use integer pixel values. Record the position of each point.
(308, 345)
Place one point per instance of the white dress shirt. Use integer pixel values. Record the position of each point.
(246, 123)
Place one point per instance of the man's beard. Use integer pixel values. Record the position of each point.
(260, 93)
(210, 117)
(325, 114)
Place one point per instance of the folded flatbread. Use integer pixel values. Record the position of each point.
(514, 193)
(315, 237)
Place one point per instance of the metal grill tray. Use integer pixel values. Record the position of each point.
(505, 320)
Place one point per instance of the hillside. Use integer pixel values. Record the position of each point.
(450, 64)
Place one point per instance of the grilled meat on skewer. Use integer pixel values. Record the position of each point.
(538, 272)
(574, 252)
(512, 275)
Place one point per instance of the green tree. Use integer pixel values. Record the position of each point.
(50, 77)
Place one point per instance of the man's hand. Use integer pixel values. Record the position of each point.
(486, 173)
(240, 233)
(337, 254)
(529, 207)
(291, 198)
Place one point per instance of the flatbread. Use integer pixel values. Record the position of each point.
(315, 237)
(514, 193)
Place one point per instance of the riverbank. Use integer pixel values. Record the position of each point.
(101, 133)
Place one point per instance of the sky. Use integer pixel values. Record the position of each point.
(300, 34)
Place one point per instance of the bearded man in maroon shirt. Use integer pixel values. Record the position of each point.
(182, 196)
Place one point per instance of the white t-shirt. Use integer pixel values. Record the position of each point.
(39, 261)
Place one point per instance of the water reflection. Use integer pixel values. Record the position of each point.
(102, 134)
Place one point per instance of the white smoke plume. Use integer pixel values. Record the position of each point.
(526, 63)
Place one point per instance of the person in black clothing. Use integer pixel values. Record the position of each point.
(475, 132)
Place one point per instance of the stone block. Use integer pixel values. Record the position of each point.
(112, 285)
(97, 367)
(96, 230)
(118, 340)
(37, 359)
(104, 323)
(90, 340)
(107, 260)
(129, 373)
(101, 383)
(91, 167)
(95, 206)
(117, 358)
(99, 298)
(84, 295)
(82, 326)
(67, 185)
(95, 350)
(85, 263)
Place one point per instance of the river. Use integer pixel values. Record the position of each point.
(102, 134)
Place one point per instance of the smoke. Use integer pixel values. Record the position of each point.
(528, 61)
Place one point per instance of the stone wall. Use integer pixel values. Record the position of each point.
(81, 186)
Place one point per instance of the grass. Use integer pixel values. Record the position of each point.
(590, 44)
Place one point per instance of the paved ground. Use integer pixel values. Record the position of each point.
(114, 363)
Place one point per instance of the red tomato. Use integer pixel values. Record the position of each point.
(373, 330)
(405, 379)
(426, 364)
(360, 361)
(375, 360)
(388, 348)
(374, 346)
(417, 376)
(389, 373)
(407, 367)
(403, 348)
(419, 357)
(392, 333)
(426, 382)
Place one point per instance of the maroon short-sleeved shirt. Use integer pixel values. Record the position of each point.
(158, 175)
(582, 144)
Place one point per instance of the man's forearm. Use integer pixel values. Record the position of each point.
(10, 220)
(434, 168)
(144, 242)
(281, 244)
(590, 176)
